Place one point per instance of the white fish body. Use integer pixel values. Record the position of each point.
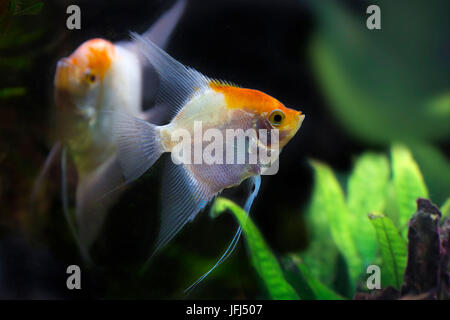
(98, 76)
(189, 187)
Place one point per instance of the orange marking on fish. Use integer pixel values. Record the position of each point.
(95, 54)
(251, 99)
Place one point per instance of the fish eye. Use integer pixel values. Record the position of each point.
(91, 78)
(276, 117)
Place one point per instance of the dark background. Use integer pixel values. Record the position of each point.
(257, 44)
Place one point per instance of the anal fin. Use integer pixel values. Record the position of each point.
(183, 197)
(65, 203)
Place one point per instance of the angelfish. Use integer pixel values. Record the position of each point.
(100, 75)
(192, 97)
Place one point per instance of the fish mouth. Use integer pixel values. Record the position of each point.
(68, 76)
(63, 73)
(64, 62)
(300, 118)
(296, 125)
(289, 132)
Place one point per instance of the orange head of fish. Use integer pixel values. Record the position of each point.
(79, 75)
(268, 112)
(78, 87)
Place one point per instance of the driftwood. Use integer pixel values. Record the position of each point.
(427, 271)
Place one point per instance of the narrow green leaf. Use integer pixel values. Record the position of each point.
(435, 168)
(445, 209)
(32, 9)
(12, 5)
(440, 105)
(328, 202)
(349, 61)
(15, 63)
(393, 250)
(12, 92)
(366, 193)
(263, 260)
(391, 208)
(16, 37)
(408, 185)
(304, 282)
(322, 252)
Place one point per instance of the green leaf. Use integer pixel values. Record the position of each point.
(12, 92)
(445, 209)
(19, 36)
(350, 61)
(304, 282)
(440, 105)
(29, 8)
(12, 5)
(367, 187)
(263, 260)
(322, 252)
(393, 250)
(408, 185)
(15, 63)
(435, 168)
(328, 205)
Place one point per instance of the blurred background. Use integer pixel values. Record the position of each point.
(360, 90)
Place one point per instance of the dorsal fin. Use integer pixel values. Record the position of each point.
(222, 83)
(178, 83)
(163, 28)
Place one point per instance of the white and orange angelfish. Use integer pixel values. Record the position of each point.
(194, 98)
(100, 75)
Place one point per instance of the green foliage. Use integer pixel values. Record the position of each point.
(304, 282)
(372, 88)
(408, 185)
(366, 193)
(12, 92)
(339, 223)
(445, 209)
(391, 84)
(291, 280)
(436, 169)
(322, 248)
(393, 250)
(14, 33)
(25, 7)
(346, 229)
(329, 201)
(263, 260)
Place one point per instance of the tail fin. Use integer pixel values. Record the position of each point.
(138, 144)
